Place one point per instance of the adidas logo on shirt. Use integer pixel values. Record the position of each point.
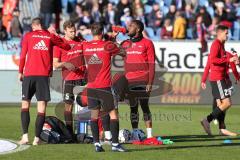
(40, 46)
(94, 60)
(72, 46)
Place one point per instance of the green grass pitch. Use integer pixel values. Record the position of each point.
(179, 123)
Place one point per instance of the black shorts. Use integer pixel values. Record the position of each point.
(137, 93)
(221, 89)
(38, 85)
(100, 97)
(68, 95)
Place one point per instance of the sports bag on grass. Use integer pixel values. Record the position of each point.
(55, 131)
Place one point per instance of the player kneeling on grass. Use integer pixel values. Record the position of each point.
(219, 64)
(99, 93)
(34, 71)
(216, 102)
(73, 69)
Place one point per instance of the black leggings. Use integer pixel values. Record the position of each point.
(134, 115)
(221, 118)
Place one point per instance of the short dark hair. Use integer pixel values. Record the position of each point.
(37, 21)
(96, 28)
(222, 28)
(68, 24)
(139, 24)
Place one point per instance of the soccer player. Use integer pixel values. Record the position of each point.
(73, 70)
(98, 61)
(139, 66)
(34, 71)
(219, 70)
(221, 119)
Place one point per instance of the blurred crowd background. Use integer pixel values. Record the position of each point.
(163, 19)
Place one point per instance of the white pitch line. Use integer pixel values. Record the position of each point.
(18, 147)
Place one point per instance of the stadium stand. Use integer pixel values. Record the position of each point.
(227, 11)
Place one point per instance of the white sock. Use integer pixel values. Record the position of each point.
(149, 132)
(36, 139)
(215, 121)
(25, 136)
(97, 144)
(108, 134)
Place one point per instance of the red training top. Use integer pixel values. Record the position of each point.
(36, 54)
(98, 61)
(231, 65)
(73, 56)
(219, 61)
(140, 62)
